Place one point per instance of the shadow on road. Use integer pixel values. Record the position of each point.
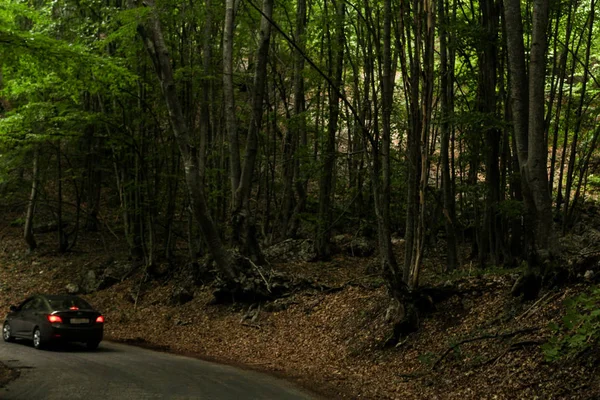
(67, 347)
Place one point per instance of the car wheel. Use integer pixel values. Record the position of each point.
(92, 345)
(37, 339)
(7, 333)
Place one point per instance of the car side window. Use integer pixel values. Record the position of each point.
(27, 305)
(37, 304)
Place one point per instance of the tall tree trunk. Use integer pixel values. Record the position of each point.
(301, 181)
(413, 143)
(336, 63)
(528, 122)
(35, 174)
(235, 169)
(447, 189)
(207, 90)
(426, 107)
(63, 243)
(490, 234)
(387, 84)
(562, 70)
(578, 121)
(537, 172)
(154, 42)
(243, 221)
(93, 174)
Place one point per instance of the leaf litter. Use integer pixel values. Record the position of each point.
(481, 344)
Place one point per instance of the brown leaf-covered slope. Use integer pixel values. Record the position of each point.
(479, 344)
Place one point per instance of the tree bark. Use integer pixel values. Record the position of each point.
(229, 99)
(578, 121)
(528, 123)
(28, 235)
(301, 181)
(447, 188)
(242, 218)
(154, 42)
(336, 63)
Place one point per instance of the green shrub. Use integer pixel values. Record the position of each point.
(579, 328)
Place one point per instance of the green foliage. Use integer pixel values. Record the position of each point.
(19, 222)
(511, 209)
(594, 181)
(427, 358)
(474, 271)
(579, 328)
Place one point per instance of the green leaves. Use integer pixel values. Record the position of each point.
(579, 329)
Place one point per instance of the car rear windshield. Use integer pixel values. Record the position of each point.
(64, 303)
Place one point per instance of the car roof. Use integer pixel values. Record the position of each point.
(60, 296)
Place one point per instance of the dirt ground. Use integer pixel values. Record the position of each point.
(478, 344)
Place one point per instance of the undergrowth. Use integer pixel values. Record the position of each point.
(578, 330)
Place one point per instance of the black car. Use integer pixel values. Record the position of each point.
(50, 318)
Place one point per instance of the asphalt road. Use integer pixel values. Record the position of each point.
(117, 371)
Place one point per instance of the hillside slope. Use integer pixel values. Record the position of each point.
(479, 343)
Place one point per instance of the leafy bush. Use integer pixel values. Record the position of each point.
(579, 329)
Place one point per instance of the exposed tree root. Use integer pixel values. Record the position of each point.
(496, 335)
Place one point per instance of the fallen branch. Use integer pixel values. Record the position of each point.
(482, 337)
(261, 274)
(512, 347)
(256, 326)
(539, 302)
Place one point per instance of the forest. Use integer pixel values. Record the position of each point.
(222, 138)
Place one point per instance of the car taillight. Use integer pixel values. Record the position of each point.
(73, 308)
(55, 319)
(100, 320)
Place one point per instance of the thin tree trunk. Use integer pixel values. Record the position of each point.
(229, 99)
(447, 190)
(578, 120)
(243, 222)
(426, 112)
(561, 79)
(63, 243)
(488, 67)
(154, 42)
(28, 235)
(388, 79)
(414, 131)
(301, 181)
(336, 63)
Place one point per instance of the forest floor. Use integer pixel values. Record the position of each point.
(479, 344)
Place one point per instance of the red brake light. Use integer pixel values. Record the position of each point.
(73, 308)
(55, 319)
(100, 320)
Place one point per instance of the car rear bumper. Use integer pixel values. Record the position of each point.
(78, 334)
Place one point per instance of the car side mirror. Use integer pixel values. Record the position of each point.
(13, 308)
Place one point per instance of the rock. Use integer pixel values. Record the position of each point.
(398, 241)
(355, 246)
(360, 247)
(159, 270)
(181, 295)
(72, 288)
(89, 282)
(113, 274)
(291, 250)
(589, 275)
